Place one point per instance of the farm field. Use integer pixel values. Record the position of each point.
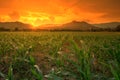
(59, 56)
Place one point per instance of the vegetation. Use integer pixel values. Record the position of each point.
(118, 28)
(59, 56)
(71, 26)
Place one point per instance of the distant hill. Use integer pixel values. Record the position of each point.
(15, 25)
(111, 25)
(73, 25)
(76, 25)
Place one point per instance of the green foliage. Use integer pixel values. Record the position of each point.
(72, 55)
(82, 65)
(37, 73)
(10, 73)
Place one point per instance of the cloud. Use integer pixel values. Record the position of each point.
(61, 10)
(111, 17)
(1, 19)
(6, 3)
(14, 16)
(98, 6)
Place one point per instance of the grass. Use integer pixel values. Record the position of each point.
(59, 56)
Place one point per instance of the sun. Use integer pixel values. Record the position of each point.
(36, 20)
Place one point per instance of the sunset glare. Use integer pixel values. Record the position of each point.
(39, 12)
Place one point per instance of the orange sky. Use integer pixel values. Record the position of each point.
(38, 12)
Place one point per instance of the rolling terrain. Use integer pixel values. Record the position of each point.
(74, 25)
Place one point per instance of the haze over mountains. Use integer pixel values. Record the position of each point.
(73, 25)
(14, 25)
(111, 25)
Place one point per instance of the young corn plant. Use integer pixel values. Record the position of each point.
(37, 73)
(115, 70)
(35, 69)
(9, 76)
(82, 66)
(53, 75)
(10, 73)
(115, 65)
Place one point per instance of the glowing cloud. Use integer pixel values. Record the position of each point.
(38, 12)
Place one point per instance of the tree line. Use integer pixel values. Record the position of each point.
(117, 29)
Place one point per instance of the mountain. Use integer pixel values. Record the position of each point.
(76, 25)
(15, 25)
(73, 25)
(111, 25)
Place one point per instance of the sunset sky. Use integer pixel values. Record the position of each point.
(38, 12)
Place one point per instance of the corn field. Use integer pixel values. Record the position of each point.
(59, 56)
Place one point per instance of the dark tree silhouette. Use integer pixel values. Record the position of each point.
(16, 29)
(118, 28)
(4, 29)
